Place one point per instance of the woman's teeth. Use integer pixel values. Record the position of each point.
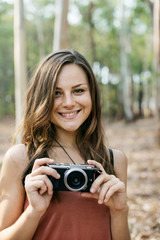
(68, 114)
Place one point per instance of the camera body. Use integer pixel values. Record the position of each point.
(74, 177)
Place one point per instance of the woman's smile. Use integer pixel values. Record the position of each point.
(69, 115)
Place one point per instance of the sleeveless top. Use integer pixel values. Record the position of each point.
(73, 217)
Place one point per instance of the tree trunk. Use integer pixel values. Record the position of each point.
(126, 81)
(19, 59)
(61, 25)
(91, 31)
(140, 99)
(40, 35)
(156, 44)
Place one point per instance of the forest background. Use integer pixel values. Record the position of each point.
(121, 40)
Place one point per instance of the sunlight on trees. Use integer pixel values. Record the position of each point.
(118, 35)
(19, 60)
(61, 25)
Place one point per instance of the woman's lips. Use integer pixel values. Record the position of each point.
(69, 114)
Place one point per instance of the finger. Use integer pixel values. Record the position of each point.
(43, 189)
(47, 182)
(47, 171)
(104, 189)
(119, 188)
(32, 184)
(96, 164)
(42, 161)
(102, 178)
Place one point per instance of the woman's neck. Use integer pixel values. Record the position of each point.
(66, 142)
(66, 139)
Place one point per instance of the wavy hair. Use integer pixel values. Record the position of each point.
(38, 131)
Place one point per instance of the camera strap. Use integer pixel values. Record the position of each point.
(65, 151)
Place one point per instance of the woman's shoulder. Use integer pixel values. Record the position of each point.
(119, 157)
(17, 157)
(120, 164)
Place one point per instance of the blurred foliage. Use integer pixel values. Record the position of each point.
(95, 34)
(6, 59)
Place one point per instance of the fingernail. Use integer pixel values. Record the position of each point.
(58, 176)
(100, 201)
(92, 190)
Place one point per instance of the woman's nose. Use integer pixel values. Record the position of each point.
(68, 100)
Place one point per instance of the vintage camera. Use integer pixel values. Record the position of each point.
(74, 177)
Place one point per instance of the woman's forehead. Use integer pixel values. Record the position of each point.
(72, 73)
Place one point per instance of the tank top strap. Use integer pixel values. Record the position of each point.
(111, 156)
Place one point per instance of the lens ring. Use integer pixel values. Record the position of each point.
(75, 169)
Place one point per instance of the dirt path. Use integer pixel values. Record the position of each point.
(138, 141)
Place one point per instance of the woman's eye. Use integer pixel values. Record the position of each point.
(57, 93)
(79, 90)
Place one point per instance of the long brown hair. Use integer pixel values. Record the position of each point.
(39, 133)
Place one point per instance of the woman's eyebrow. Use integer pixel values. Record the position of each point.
(78, 85)
(75, 86)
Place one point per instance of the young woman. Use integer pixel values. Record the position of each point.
(62, 123)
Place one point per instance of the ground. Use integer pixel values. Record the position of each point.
(139, 141)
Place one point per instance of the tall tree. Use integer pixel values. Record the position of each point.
(125, 73)
(40, 35)
(156, 44)
(6, 59)
(19, 59)
(61, 25)
(90, 13)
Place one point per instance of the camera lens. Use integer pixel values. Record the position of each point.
(75, 179)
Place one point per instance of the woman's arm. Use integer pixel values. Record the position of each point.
(111, 191)
(14, 223)
(119, 218)
(23, 229)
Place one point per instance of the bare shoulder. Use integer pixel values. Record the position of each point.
(17, 157)
(120, 164)
(120, 158)
(14, 163)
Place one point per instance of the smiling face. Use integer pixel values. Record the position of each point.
(72, 103)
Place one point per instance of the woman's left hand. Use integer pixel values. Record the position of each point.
(107, 189)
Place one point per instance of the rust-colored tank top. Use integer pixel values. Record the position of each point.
(72, 217)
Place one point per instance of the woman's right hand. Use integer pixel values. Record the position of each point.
(38, 187)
